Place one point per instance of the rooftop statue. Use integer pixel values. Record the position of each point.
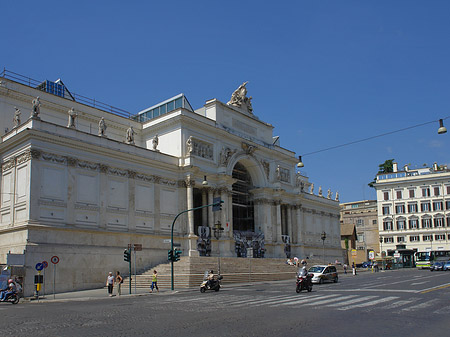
(130, 135)
(16, 118)
(155, 142)
(36, 109)
(102, 127)
(72, 116)
(239, 98)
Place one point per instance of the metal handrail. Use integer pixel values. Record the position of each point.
(28, 81)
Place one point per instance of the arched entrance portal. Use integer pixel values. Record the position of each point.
(246, 240)
(243, 219)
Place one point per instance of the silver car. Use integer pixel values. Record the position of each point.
(322, 273)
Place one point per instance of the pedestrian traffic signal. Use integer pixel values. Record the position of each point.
(176, 257)
(170, 255)
(127, 255)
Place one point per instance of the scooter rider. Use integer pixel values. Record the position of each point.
(11, 290)
(303, 272)
(210, 279)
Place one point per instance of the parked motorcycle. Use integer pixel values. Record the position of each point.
(214, 284)
(304, 283)
(12, 298)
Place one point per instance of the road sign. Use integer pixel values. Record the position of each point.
(45, 264)
(371, 255)
(137, 247)
(39, 266)
(167, 241)
(55, 259)
(353, 252)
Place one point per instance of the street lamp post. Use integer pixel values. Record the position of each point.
(323, 236)
(218, 229)
(381, 252)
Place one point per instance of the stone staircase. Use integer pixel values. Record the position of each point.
(189, 271)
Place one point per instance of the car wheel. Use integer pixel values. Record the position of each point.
(321, 281)
(336, 280)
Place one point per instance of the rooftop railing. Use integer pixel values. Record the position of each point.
(92, 102)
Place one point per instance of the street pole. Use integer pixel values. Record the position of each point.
(134, 270)
(129, 267)
(171, 236)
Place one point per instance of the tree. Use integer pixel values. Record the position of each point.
(386, 167)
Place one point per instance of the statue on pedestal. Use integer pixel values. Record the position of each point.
(72, 116)
(130, 135)
(16, 118)
(320, 191)
(239, 98)
(329, 194)
(36, 108)
(155, 142)
(102, 127)
(311, 189)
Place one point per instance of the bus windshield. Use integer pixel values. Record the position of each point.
(423, 256)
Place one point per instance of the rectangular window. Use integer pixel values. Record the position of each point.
(437, 205)
(425, 207)
(400, 209)
(400, 239)
(388, 240)
(427, 238)
(374, 222)
(359, 222)
(412, 208)
(448, 221)
(387, 225)
(447, 204)
(386, 210)
(425, 192)
(386, 195)
(414, 238)
(413, 224)
(439, 222)
(436, 191)
(448, 189)
(426, 223)
(400, 225)
(439, 237)
(360, 237)
(412, 194)
(399, 194)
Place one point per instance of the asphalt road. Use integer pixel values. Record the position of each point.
(391, 303)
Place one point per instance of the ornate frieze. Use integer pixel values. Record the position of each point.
(225, 156)
(118, 172)
(71, 161)
(54, 158)
(282, 174)
(52, 203)
(131, 174)
(189, 182)
(87, 207)
(144, 177)
(8, 165)
(167, 182)
(266, 167)
(196, 147)
(248, 148)
(88, 165)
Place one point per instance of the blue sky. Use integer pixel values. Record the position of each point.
(323, 73)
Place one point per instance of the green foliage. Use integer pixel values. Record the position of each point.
(346, 243)
(386, 167)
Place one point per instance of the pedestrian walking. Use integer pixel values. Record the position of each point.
(345, 268)
(119, 281)
(154, 281)
(354, 268)
(110, 283)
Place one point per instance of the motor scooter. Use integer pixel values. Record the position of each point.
(214, 284)
(12, 298)
(304, 283)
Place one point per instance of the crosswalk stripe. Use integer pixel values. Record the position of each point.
(355, 300)
(397, 304)
(264, 300)
(421, 305)
(370, 303)
(329, 300)
(291, 301)
(444, 310)
(306, 300)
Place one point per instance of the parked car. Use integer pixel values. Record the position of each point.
(323, 273)
(437, 266)
(364, 265)
(446, 266)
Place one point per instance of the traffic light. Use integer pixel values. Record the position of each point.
(176, 257)
(170, 255)
(127, 255)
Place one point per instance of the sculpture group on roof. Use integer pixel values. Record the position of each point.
(239, 98)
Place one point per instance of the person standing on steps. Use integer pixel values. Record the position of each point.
(119, 281)
(154, 281)
(110, 283)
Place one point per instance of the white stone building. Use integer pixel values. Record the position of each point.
(74, 188)
(414, 209)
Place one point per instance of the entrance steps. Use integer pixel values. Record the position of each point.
(189, 271)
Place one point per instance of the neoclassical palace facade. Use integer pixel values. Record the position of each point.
(81, 183)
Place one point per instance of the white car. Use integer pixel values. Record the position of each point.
(323, 273)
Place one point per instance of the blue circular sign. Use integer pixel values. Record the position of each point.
(39, 266)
